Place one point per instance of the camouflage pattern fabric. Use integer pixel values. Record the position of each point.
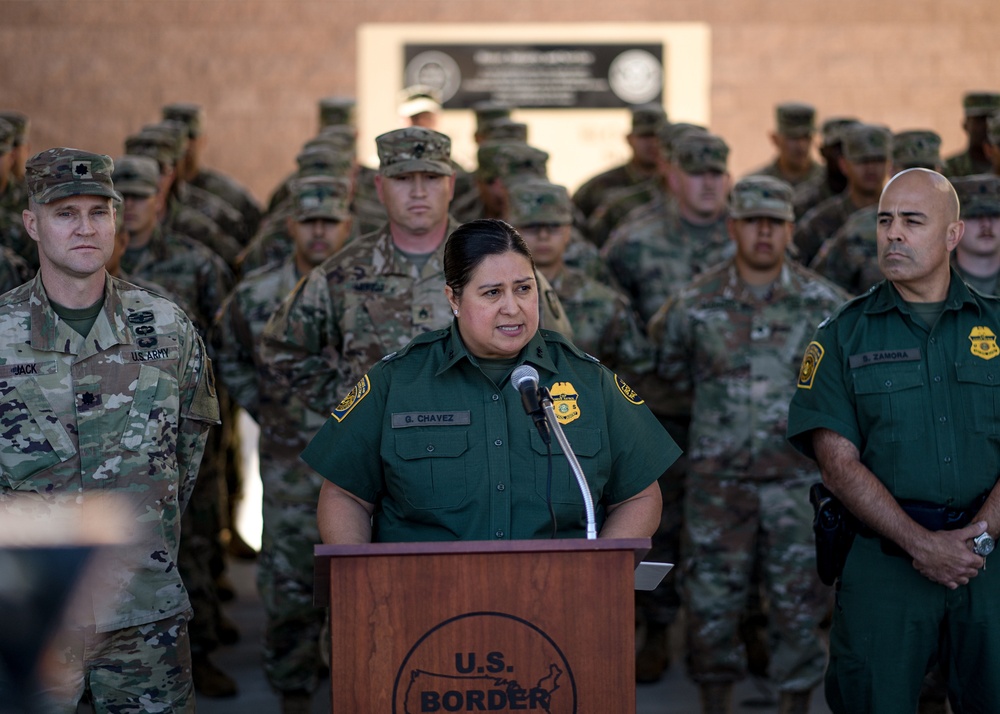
(13, 235)
(811, 193)
(134, 401)
(819, 224)
(189, 222)
(623, 204)
(290, 488)
(134, 670)
(652, 255)
(14, 270)
(733, 357)
(226, 217)
(850, 257)
(964, 164)
(596, 189)
(234, 194)
(816, 172)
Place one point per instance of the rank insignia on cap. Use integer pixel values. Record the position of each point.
(627, 391)
(81, 170)
(564, 403)
(352, 399)
(810, 364)
(984, 343)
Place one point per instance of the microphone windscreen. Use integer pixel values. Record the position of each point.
(522, 373)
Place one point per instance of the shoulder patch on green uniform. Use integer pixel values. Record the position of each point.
(627, 391)
(353, 398)
(810, 365)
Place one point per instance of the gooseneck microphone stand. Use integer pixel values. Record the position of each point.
(556, 428)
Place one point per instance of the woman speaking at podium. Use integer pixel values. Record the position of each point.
(433, 443)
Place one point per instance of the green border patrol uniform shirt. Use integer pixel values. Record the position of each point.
(447, 455)
(923, 408)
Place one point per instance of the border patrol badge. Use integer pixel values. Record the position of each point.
(627, 391)
(352, 399)
(810, 364)
(984, 343)
(564, 404)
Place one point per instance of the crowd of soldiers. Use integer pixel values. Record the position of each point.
(703, 291)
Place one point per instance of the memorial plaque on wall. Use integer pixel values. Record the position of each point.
(551, 76)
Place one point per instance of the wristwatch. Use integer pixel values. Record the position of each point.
(983, 544)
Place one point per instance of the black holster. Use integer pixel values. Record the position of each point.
(834, 528)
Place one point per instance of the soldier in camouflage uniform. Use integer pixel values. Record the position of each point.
(992, 144)
(14, 270)
(653, 254)
(867, 153)
(320, 223)
(13, 199)
(850, 257)
(201, 280)
(192, 173)
(793, 138)
(728, 343)
(976, 258)
(645, 163)
(381, 290)
(832, 180)
(106, 391)
(977, 106)
(603, 322)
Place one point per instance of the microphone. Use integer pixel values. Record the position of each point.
(524, 379)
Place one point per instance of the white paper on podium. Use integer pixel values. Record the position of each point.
(648, 575)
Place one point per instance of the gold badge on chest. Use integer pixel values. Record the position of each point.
(564, 403)
(984, 342)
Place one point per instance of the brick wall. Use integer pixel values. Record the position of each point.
(89, 72)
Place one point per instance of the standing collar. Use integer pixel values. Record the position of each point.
(537, 352)
(887, 297)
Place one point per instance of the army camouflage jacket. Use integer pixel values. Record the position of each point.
(819, 224)
(124, 412)
(816, 172)
(850, 257)
(735, 358)
(14, 270)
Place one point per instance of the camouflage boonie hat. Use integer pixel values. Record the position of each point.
(978, 196)
(867, 142)
(670, 134)
(57, 173)
(993, 128)
(647, 119)
(7, 132)
(337, 110)
(319, 159)
(187, 114)
(418, 99)
(326, 197)
(916, 149)
(20, 122)
(414, 149)
(535, 202)
(510, 159)
(833, 129)
(697, 153)
(761, 196)
(980, 104)
(136, 175)
(504, 129)
(487, 111)
(795, 119)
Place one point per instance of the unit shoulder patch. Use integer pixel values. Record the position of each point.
(353, 398)
(627, 391)
(810, 364)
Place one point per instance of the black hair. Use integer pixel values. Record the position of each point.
(473, 242)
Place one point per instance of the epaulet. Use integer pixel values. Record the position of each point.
(553, 336)
(849, 306)
(423, 339)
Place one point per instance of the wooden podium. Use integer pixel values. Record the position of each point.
(481, 626)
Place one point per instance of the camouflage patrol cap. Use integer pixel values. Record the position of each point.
(993, 128)
(326, 197)
(57, 173)
(156, 143)
(136, 175)
(537, 202)
(980, 104)
(697, 153)
(418, 99)
(20, 122)
(670, 134)
(487, 111)
(867, 142)
(414, 149)
(504, 129)
(337, 110)
(795, 119)
(978, 195)
(190, 115)
(7, 132)
(761, 196)
(321, 159)
(509, 160)
(647, 119)
(337, 136)
(916, 149)
(833, 129)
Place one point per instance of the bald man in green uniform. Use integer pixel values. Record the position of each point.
(896, 401)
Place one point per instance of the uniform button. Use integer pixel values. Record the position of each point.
(942, 419)
(496, 397)
(499, 534)
(989, 377)
(430, 447)
(933, 340)
(947, 459)
(888, 382)
(938, 378)
(498, 442)
(500, 487)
